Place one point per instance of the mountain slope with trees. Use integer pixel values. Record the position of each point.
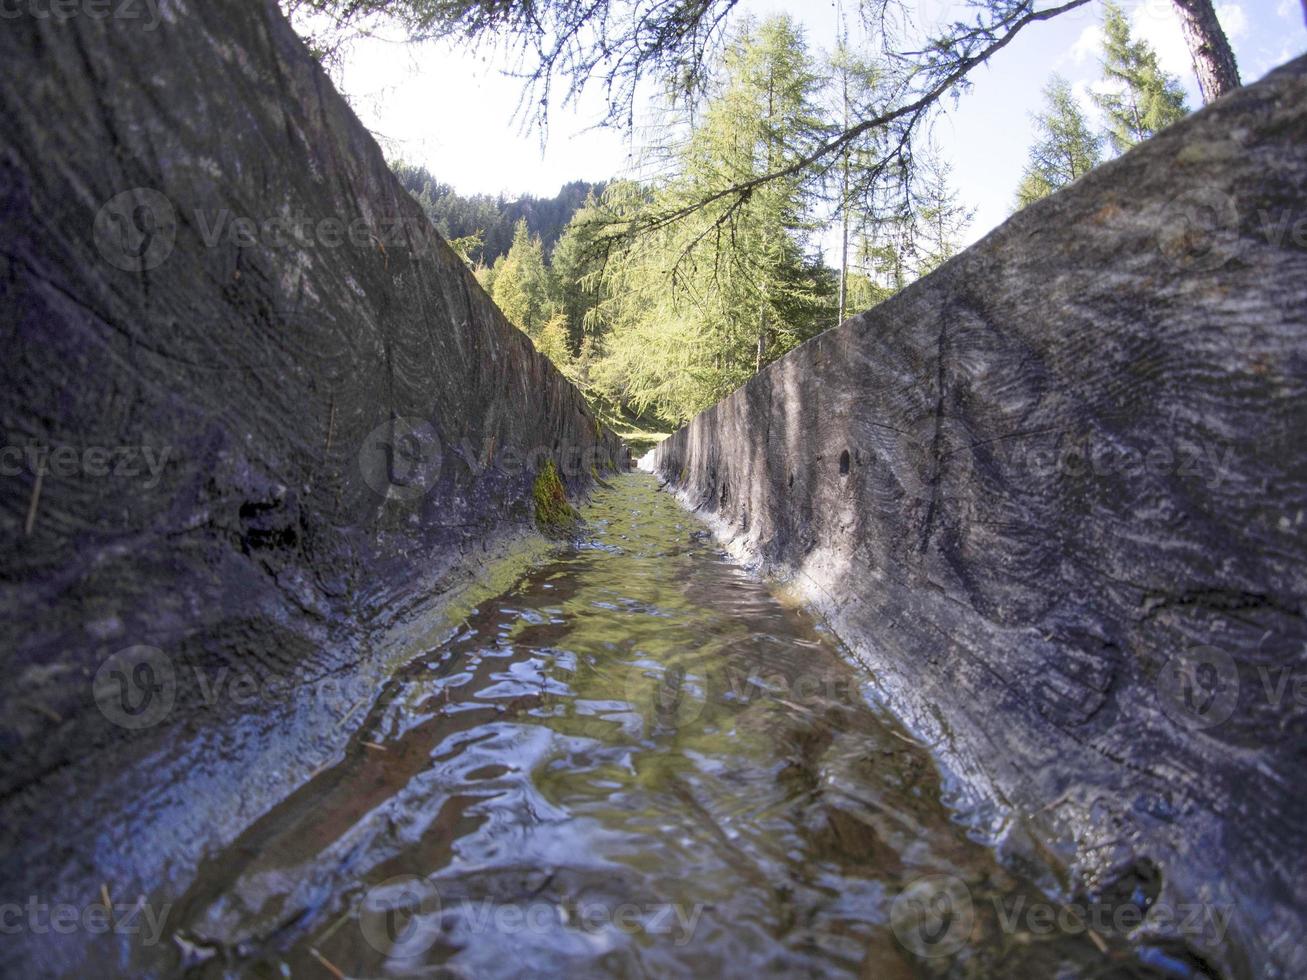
(486, 223)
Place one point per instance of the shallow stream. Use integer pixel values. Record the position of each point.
(637, 761)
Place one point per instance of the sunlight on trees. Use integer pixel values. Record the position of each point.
(658, 297)
(657, 319)
(1143, 99)
(1066, 146)
(1138, 101)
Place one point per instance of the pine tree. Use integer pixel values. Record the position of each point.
(1143, 99)
(1066, 149)
(1033, 186)
(886, 253)
(858, 81)
(768, 109)
(521, 285)
(577, 266)
(941, 220)
(467, 246)
(698, 305)
(551, 340)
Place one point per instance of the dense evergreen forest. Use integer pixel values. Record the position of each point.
(484, 224)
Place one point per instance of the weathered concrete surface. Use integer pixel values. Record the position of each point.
(1025, 608)
(264, 546)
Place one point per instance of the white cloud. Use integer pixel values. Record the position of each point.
(1089, 45)
(1155, 21)
(1082, 91)
(1233, 20)
(1103, 86)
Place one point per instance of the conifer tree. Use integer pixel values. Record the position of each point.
(858, 83)
(551, 340)
(941, 219)
(1066, 147)
(697, 306)
(1143, 99)
(577, 266)
(520, 284)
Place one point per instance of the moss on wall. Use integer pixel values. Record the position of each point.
(554, 514)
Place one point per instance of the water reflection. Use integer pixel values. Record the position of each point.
(635, 762)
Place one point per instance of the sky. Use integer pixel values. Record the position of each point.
(452, 108)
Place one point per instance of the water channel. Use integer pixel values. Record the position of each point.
(637, 761)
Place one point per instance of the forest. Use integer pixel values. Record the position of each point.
(657, 307)
(481, 226)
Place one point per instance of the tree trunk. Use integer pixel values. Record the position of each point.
(844, 205)
(1213, 58)
(844, 247)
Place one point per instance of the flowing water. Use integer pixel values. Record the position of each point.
(635, 762)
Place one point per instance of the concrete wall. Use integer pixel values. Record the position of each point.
(1041, 487)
